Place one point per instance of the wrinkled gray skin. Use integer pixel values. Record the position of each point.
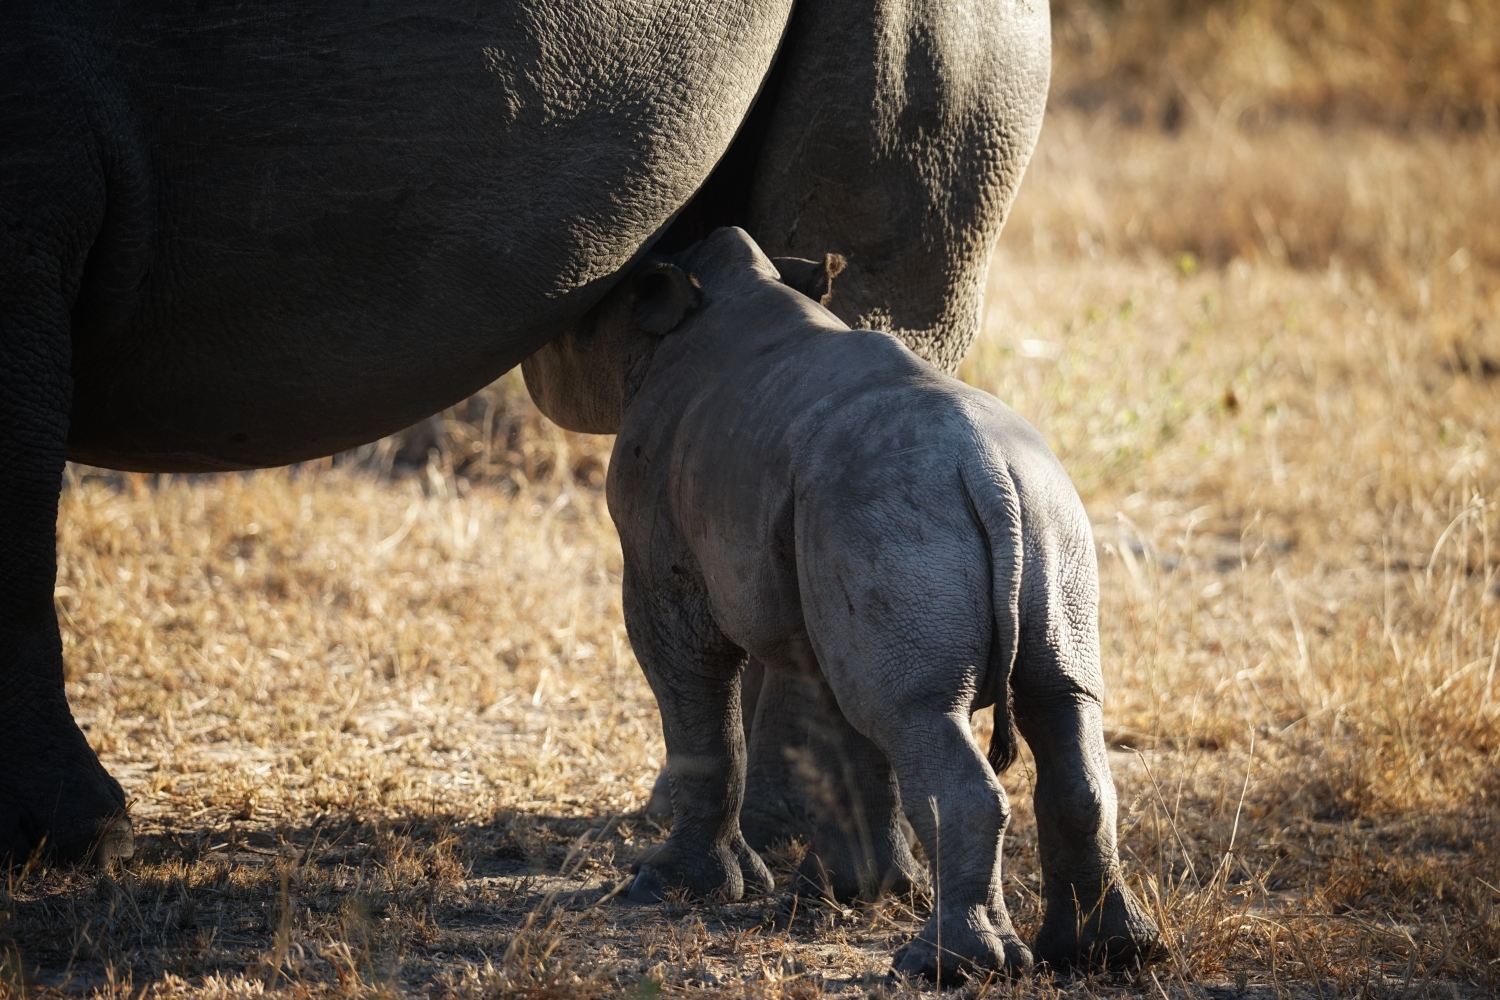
(825, 502)
(239, 234)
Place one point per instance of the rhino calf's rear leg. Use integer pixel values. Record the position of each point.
(960, 812)
(1091, 917)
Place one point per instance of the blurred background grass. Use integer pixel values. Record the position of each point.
(1305, 132)
(1397, 63)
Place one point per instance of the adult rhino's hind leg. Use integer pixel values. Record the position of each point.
(54, 793)
(858, 848)
(896, 136)
(812, 775)
(775, 809)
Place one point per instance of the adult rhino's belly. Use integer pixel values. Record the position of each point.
(356, 219)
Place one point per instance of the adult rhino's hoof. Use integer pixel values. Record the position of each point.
(1114, 932)
(659, 806)
(115, 843)
(969, 948)
(727, 871)
(844, 876)
(57, 802)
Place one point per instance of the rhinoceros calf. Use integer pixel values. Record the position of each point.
(822, 500)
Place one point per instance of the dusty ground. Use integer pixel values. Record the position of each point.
(384, 734)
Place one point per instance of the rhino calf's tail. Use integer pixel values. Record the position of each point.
(992, 493)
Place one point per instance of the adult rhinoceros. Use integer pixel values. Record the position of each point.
(242, 234)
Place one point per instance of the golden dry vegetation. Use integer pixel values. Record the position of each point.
(1394, 62)
(384, 734)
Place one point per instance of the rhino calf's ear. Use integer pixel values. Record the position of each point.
(664, 294)
(813, 278)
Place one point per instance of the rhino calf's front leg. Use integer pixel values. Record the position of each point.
(659, 805)
(694, 672)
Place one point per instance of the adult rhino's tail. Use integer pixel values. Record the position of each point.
(998, 507)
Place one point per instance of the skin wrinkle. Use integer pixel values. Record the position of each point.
(759, 409)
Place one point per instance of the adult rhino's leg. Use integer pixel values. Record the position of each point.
(896, 135)
(775, 807)
(858, 849)
(694, 672)
(808, 769)
(54, 793)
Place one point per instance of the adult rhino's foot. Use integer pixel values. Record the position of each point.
(56, 800)
(1083, 929)
(846, 868)
(960, 947)
(767, 822)
(727, 870)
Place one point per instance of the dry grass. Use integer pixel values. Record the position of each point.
(1294, 491)
(384, 734)
(1393, 62)
(1410, 210)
